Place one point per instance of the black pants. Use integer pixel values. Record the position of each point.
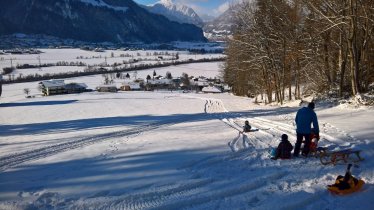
(299, 140)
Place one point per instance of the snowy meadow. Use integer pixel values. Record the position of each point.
(169, 150)
(56, 61)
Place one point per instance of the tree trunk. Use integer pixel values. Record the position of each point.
(267, 83)
(297, 80)
(342, 60)
(326, 59)
(352, 45)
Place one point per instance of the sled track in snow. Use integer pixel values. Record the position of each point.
(214, 106)
(194, 193)
(155, 198)
(252, 138)
(280, 128)
(19, 158)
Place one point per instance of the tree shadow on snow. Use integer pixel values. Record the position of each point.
(38, 103)
(111, 175)
(140, 120)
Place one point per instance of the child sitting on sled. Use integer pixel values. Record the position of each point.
(284, 149)
(314, 138)
(346, 184)
(246, 127)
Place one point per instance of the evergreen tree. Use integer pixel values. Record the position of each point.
(168, 75)
(185, 79)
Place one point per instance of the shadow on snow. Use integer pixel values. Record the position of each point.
(38, 103)
(141, 120)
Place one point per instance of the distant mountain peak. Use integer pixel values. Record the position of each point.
(222, 26)
(166, 2)
(175, 12)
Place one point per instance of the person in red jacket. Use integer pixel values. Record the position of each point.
(314, 137)
(284, 148)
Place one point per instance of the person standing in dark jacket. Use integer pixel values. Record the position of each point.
(284, 148)
(304, 118)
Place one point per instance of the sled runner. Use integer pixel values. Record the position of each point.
(343, 155)
(346, 184)
(317, 151)
(252, 130)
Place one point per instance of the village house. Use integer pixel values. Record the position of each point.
(52, 87)
(131, 85)
(200, 83)
(75, 88)
(211, 89)
(55, 87)
(107, 88)
(160, 83)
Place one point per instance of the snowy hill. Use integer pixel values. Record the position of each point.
(175, 12)
(169, 150)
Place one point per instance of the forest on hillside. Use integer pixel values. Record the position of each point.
(283, 49)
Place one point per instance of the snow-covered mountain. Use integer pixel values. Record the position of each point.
(115, 21)
(221, 27)
(175, 12)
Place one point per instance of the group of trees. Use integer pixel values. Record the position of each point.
(59, 63)
(283, 47)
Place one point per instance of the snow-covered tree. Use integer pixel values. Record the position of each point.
(26, 91)
(168, 75)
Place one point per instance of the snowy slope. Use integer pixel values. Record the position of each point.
(163, 150)
(100, 3)
(175, 12)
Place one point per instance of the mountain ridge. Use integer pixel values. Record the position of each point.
(114, 21)
(175, 12)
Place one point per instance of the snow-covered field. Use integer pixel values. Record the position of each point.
(169, 150)
(109, 57)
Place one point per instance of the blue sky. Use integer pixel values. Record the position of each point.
(202, 7)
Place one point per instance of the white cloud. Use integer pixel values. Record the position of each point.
(200, 10)
(222, 8)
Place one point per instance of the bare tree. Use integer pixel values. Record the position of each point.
(320, 45)
(26, 91)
